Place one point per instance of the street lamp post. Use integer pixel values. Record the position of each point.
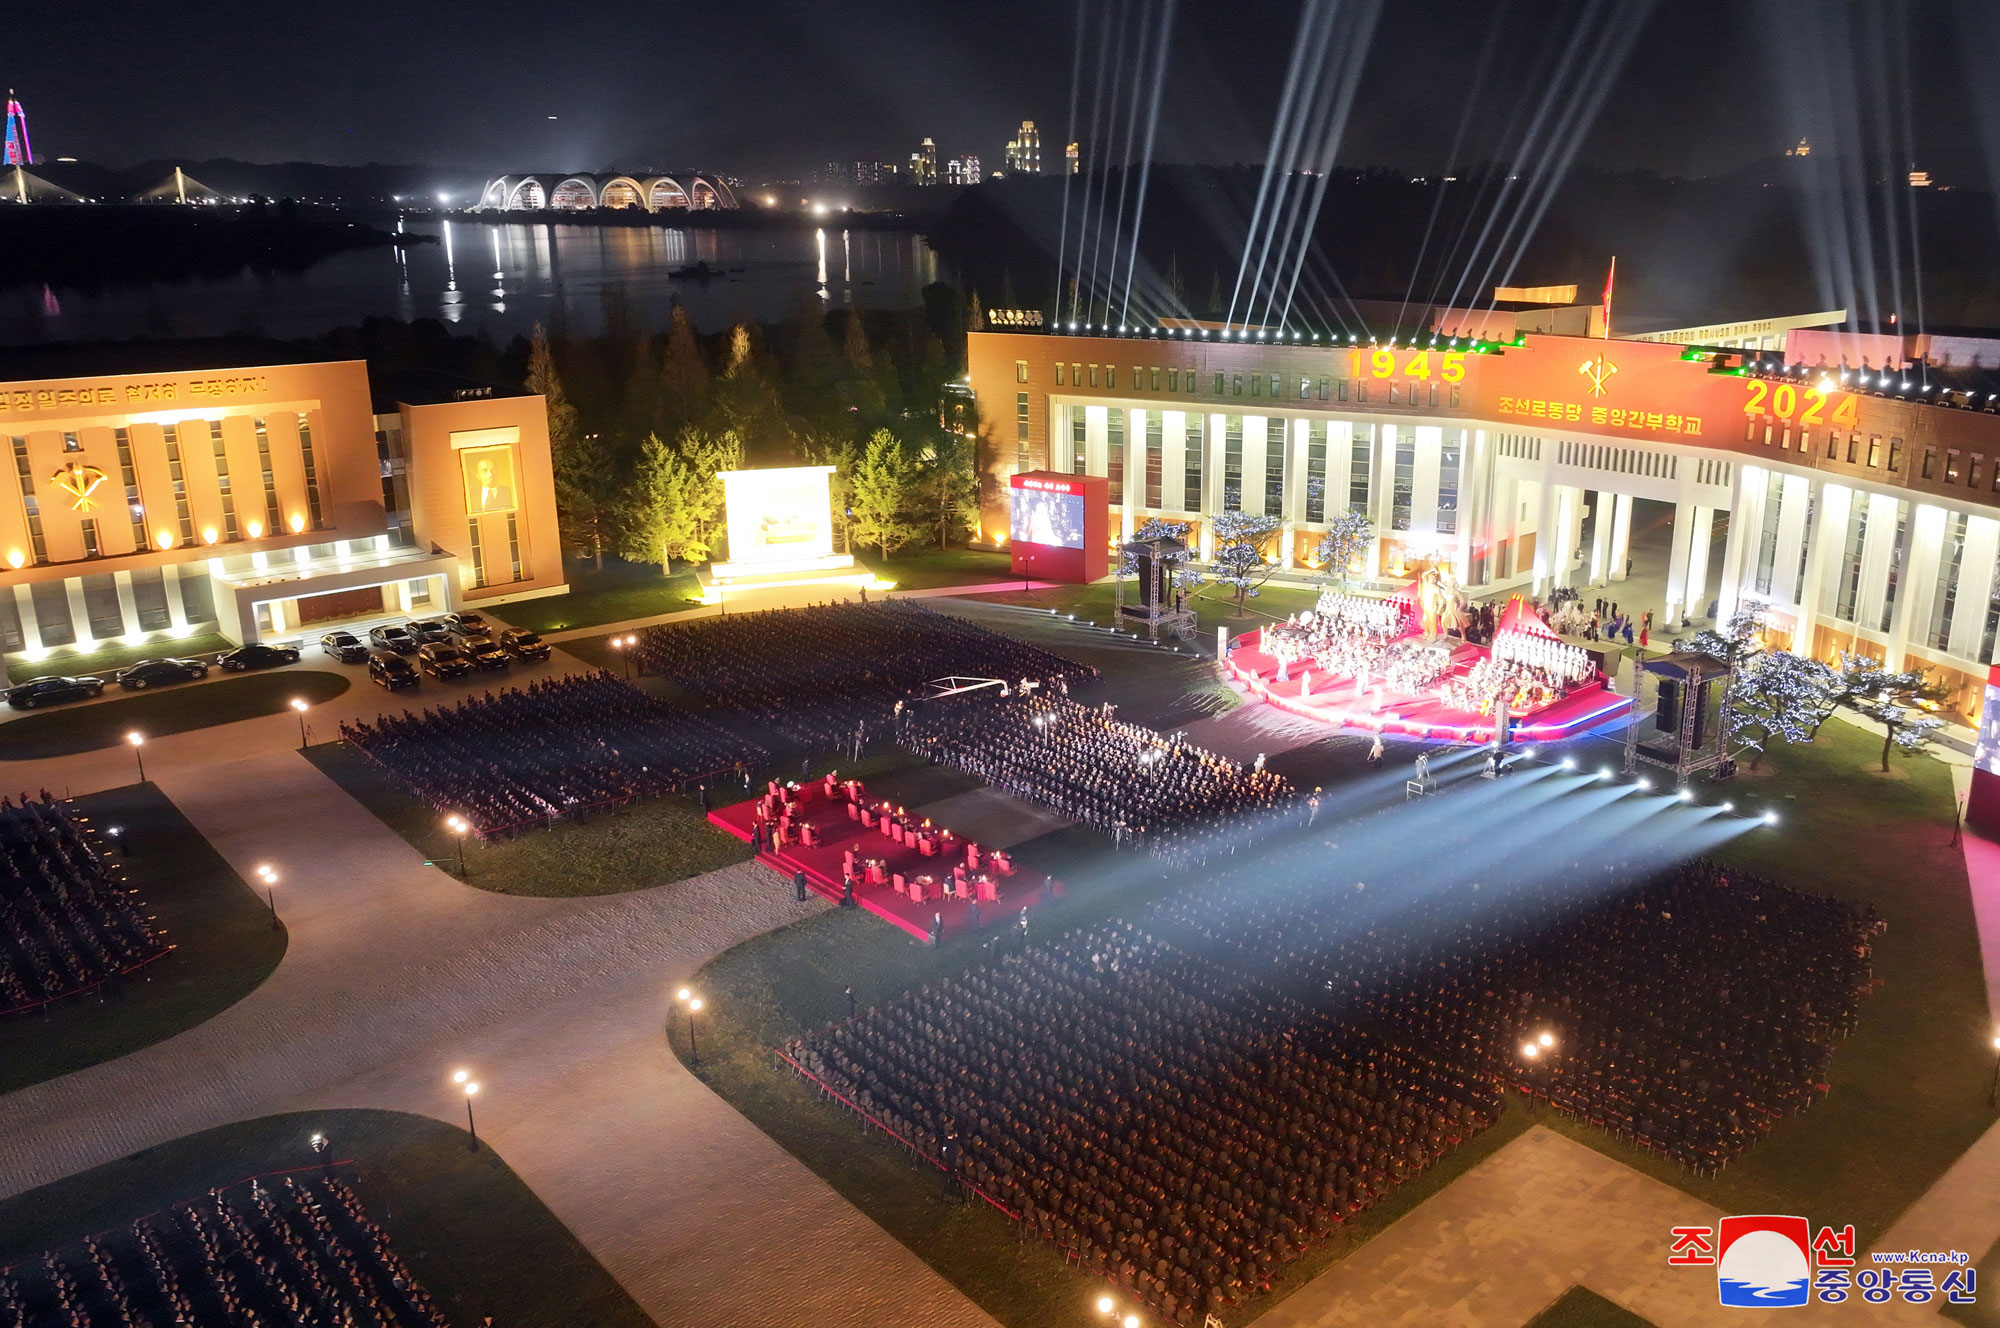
(693, 1004)
(269, 876)
(465, 1080)
(138, 741)
(1108, 1308)
(299, 704)
(458, 825)
(1535, 1052)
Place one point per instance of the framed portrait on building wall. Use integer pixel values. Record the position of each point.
(491, 481)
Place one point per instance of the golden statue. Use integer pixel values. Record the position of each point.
(1437, 600)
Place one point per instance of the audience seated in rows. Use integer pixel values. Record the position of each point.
(558, 747)
(68, 921)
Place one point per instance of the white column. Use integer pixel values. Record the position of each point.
(1545, 532)
(1600, 535)
(1923, 537)
(1823, 545)
(170, 575)
(1255, 429)
(1211, 480)
(1975, 586)
(1698, 556)
(1792, 512)
(1381, 489)
(1877, 550)
(1746, 494)
(1173, 461)
(1474, 493)
(1300, 473)
(1093, 440)
(31, 627)
(1677, 564)
(1424, 478)
(79, 612)
(128, 605)
(1569, 502)
(1621, 535)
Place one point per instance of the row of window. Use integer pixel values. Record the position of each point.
(1273, 386)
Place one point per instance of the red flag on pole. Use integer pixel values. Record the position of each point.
(1609, 278)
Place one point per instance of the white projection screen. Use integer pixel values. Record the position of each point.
(778, 516)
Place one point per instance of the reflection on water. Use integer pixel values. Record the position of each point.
(503, 279)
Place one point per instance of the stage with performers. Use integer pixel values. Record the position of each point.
(896, 865)
(1389, 666)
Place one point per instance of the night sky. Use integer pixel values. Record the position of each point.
(773, 88)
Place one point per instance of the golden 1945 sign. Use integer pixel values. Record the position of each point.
(129, 394)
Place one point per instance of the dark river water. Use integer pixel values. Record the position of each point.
(504, 278)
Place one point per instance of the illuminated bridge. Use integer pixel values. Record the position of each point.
(573, 193)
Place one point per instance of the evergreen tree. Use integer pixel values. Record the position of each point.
(584, 476)
(683, 373)
(660, 508)
(975, 318)
(854, 345)
(947, 487)
(1175, 283)
(1215, 291)
(881, 485)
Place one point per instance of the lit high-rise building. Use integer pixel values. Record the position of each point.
(1024, 154)
(924, 164)
(963, 170)
(1071, 155)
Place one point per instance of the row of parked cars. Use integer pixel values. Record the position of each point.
(445, 648)
(452, 646)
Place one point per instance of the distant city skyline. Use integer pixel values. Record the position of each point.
(1710, 86)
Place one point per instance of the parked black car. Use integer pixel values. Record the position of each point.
(523, 644)
(485, 652)
(388, 669)
(443, 661)
(52, 691)
(257, 655)
(469, 624)
(344, 646)
(393, 636)
(427, 630)
(153, 672)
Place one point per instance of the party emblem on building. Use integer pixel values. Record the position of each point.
(1598, 370)
(80, 483)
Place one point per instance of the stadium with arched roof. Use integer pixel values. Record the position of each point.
(578, 192)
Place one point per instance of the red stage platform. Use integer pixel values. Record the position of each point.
(1004, 891)
(1346, 703)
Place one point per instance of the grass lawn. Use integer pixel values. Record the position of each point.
(474, 1234)
(622, 590)
(917, 567)
(67, 730)
(1214, 606)
(1580, 1307)
(223, 930)
(113, 655)
(1907, 1091)
(650, 843)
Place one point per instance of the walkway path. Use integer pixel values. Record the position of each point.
(397, 973)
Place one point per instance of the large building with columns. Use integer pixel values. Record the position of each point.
(160, 491)
(1863, 520)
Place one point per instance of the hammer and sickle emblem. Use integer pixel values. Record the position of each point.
(79, 482)
(1598, 370)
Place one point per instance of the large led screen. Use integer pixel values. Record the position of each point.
(779, 515)
(1046, 516)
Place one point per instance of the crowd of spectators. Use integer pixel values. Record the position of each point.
(1156, 791)
(819, 675)
(1184, 1115)
(68, 921)
(1170, 1125)
(290, 1251)
(560, 747)
(1691, 1011)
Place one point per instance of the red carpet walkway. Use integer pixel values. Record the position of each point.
(824, 863)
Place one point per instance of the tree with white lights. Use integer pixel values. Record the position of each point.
(1239, 553)
(1900, 702)
(1181, 569)
(1345, 543)
(1776, 696)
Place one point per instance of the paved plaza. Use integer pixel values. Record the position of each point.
(397, 973)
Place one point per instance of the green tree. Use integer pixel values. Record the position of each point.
(947, 490)
(1900, 702)
(684, 386)
(584, 475)
(706, 453)
(660, 514)
(881, 483)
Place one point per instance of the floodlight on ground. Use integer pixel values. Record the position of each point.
(1530, 1050)
(1546, 1039)
(1568, 763)
(1604, 773)
(1105, 1304)
(1686, 795)
(1729, 806)
(1645, 785)
(1770, 818)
